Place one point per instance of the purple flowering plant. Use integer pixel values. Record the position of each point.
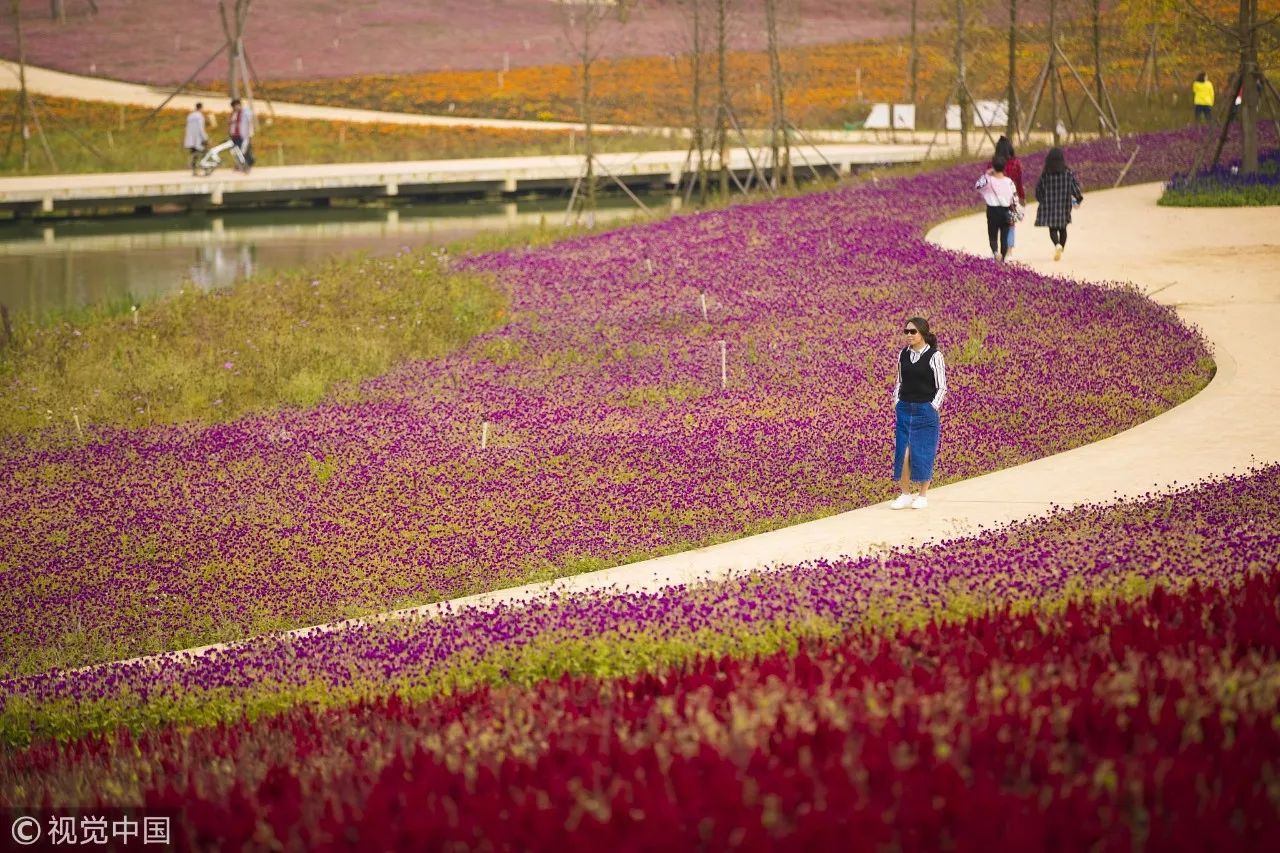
(608, 436)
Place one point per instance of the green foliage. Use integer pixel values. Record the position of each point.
(276, 339)
(975, 349)
(90, 136)
(1208, 195)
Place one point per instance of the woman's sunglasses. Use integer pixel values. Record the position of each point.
(910, 331)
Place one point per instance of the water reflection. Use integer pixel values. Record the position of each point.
(50, 268)
(220, 266)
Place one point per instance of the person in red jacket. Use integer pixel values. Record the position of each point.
(1012, 171)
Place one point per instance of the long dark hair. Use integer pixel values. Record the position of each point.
(1055, 161)
(1004, 148)
(923, 325)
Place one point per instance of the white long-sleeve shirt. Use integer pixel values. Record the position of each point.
(936, 363)
(195, 136)
(996, 190)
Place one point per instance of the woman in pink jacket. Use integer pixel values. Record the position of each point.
(999, 193)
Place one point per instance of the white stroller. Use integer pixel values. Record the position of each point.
(212, 159)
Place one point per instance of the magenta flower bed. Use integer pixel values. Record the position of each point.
(1147, 719)
(611, 437)
(1094, 728)
(1212, 533)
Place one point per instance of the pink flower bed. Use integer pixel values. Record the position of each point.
(301, 38)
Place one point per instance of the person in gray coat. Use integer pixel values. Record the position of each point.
(1057, 192)
(195, 140)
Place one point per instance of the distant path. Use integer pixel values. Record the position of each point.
(59, 84)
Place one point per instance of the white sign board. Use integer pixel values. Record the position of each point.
(903, 116)
(992, 113)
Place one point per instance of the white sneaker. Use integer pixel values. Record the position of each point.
(920, 502)
(900, 502)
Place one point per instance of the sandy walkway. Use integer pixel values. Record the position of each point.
(59, 84)
(1220, 268)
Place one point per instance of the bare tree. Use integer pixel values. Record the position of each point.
(961, 88)
(1101, 95)
(1148, 20)
(1011, 94)
(779, 138)
(722, 95)
(697, 50)
(913, 61)
(1250, 74)
(233, 29)
(583, 21)
(25, 108)
(23, 103)
(1051, 70)
(582, 24)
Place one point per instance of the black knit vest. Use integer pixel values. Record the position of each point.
(918, 382)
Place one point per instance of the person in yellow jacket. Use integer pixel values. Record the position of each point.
(1202, 96)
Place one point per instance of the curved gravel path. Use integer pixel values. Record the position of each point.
(1220, 268)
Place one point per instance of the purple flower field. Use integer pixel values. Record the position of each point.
(610, 436)
(1214, 533)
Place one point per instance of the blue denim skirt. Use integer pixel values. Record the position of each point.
(918, 432)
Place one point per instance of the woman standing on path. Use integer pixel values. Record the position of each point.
(917, 398)
(999, 194)
(1057, 191)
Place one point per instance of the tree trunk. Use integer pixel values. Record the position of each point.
(233, 30)
(1150, 69)
(588, 140)
(695, 90)
(1099, 87)
(778, 141)
(1249, 93)
(1155, 58)
(22, 85)
(58, 11)
(962, 90)
(1052, 77)
(914, 60)
(1012, 94)
(722, 108)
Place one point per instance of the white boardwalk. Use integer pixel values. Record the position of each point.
(658, 169)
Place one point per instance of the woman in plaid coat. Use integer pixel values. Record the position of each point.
(1056, 191)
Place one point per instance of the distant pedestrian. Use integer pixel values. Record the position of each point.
(1012, 165)
(195, 139)
(1012, 171)
(240, 129)
(1000, 194)
(1057, 191)
(1202, 96)
(917, 399)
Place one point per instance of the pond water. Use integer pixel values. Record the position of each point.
(50, 268)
